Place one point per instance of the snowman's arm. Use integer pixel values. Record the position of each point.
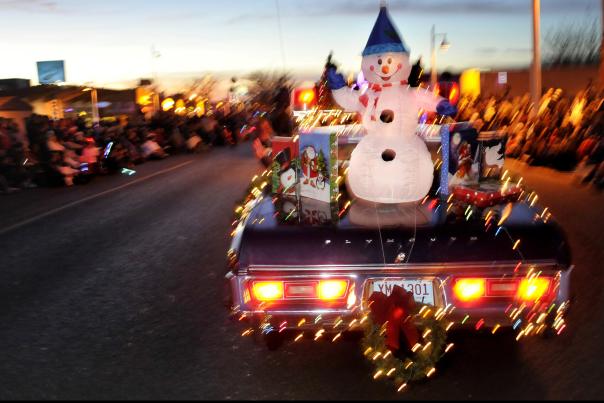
(426, 100)
(348, 99)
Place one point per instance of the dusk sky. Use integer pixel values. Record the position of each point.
(109, 42)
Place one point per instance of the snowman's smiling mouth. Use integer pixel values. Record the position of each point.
(387, 78)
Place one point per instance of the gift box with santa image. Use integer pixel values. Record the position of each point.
(318, 165)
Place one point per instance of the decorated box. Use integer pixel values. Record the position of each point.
(492, 154)
(464, 155)
(285, 165)
(316, 213)
(288, 209)
(319, 165)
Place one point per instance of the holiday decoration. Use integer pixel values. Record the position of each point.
(403, 340)
(285, 165)
(492, 153)
(318, 165)
(486, 193)
(464, 155)
(391, 164)
(325, 100)
(317, 213)
(288, 209)
(389, 215)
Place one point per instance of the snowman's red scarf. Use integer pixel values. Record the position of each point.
(364, 99)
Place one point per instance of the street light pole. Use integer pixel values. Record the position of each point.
(444, 46)
(602, 49)
(95, 107)
(536, 70)
(433, 77)
(94, 102)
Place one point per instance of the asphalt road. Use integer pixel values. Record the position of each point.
(113, 291)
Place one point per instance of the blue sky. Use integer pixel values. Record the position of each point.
(108, 42)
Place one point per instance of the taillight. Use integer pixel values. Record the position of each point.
(268, 290)
(328, 290)
(524, 289)
(533, 289)
(469, 289)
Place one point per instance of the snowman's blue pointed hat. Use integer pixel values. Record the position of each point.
(385, 37)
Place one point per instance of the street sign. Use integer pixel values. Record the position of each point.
(502, 77)
(51, 72)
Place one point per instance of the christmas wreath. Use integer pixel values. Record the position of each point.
(404, 340)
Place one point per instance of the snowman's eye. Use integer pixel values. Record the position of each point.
(389, 60)
(380, 62)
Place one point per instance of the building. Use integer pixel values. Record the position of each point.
(12, 84)
(571, 80)
(18, 110)
(58, 102)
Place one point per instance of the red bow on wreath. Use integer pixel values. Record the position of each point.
(396, 310)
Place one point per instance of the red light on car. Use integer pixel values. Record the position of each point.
(306, 96)
(534, 288)
(268, 290)
(328, 290)
(469, 289)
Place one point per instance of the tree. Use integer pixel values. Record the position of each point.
(268, 89)
(573, 45)
(325, 99)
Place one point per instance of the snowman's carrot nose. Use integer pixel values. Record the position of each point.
(385, 69)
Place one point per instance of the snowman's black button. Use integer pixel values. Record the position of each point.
(387, 116)
(388, 155)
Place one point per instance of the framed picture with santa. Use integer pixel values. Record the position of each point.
(318, 165)
(285, 165)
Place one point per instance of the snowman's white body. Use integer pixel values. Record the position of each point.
(372, 175)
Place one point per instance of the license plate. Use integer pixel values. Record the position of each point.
(422, 290)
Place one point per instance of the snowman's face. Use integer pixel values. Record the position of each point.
(288, 178)
(386, 68)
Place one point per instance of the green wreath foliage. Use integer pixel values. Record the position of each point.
(415, 365)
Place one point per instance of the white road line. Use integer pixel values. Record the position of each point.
(88, 198)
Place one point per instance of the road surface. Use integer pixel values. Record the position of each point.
(113, 290)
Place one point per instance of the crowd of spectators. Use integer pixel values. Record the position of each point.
(565, 133)
(70, 151)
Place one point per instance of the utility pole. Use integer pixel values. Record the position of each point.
(536, 67)
(96, 118)
(602, 49)
(154, 56)
(433, 75)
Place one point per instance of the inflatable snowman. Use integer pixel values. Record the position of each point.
(391, 164)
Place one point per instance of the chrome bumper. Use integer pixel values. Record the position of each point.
(309, 317)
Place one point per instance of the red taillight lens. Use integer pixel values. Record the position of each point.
(328, 290)
(534, 288)
(268, 290)
(469, 289)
